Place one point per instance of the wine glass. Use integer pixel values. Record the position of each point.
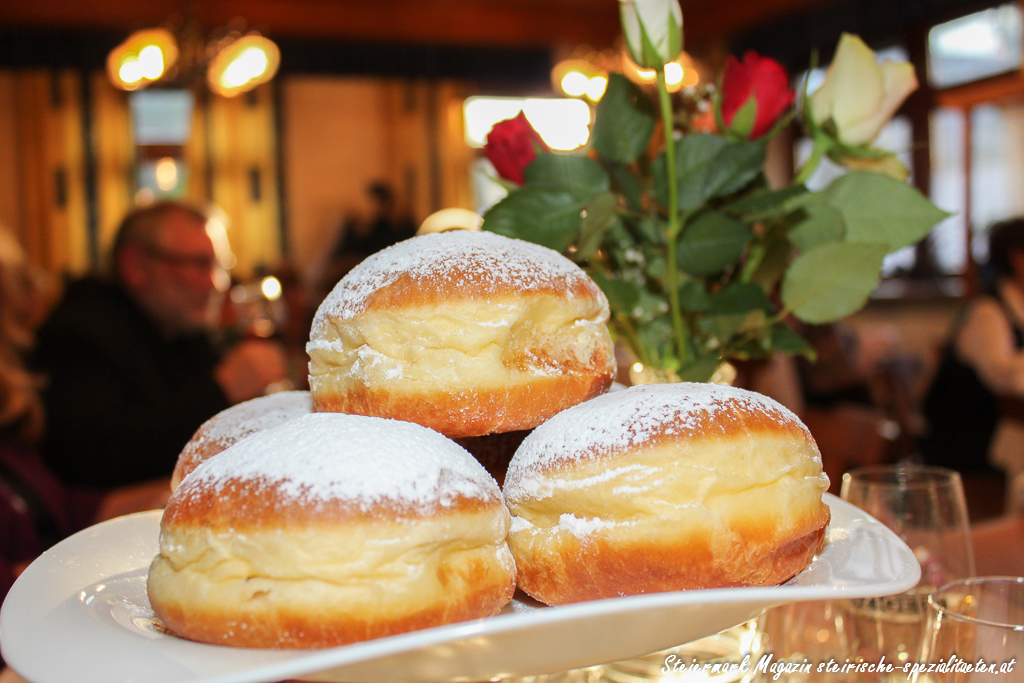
(924, 506)
(976, 628)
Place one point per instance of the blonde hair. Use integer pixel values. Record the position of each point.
(21, 295)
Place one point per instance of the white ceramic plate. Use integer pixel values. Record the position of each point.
(80, 613)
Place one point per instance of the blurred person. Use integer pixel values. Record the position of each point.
(975, 404)
(35, 511)
(130, 362)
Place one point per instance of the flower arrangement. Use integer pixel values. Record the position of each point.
(670, 211)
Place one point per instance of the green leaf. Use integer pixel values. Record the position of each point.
(627, 184)
(542, 215)
(709, 166)
(785, 339)
(880, 210)
(832, 280)
(622, 296)
(738, 306)
(739, 297)
(819, 223)
(693, 297)
(656, 265)
(651, 230)
(736, 165)
(701, 369)
(581, 176)
(649, 306)
(624, 121)
(694, 153)
(766, 204)
(657, 338)
(598, 217)
(724, 326)
(711, 242)
(744, 119)
(777, 252)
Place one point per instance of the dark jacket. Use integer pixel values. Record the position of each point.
(121, 399)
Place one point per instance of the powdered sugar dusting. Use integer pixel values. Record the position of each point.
(247, 418)
(624, 419)
(441, 257)
(354, 458)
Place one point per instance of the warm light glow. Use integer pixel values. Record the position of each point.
(563, 124)
(271, 287)
(166, 172)
(680, 73)
(144, 57)
(646, 75)
(596, 87)
(130, 71)
(151, 61)
(244, 64)
(673, 74)
(249, 66)
(574, 84)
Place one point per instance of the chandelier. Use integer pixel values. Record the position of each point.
(231, 63)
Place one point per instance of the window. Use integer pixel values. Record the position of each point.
(162, 123)
(975, 46)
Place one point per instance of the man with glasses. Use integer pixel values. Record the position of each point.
(130, 361)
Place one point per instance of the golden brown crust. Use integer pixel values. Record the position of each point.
(590, 569)
(330, 584)
(289, 627)
(664, 488)
(331, 529)
(472, 412)
(471, 284)
(268, 507)
(484, 335)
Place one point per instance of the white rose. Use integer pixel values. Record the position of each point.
(653, 30)
(858, 95)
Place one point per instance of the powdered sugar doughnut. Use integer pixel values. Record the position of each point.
(236, 423)
(661, 488)
(469, 333)
(330, 529)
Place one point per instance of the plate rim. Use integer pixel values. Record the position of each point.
(289, 664)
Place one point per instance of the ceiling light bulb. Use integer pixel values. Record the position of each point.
(166, 172)
(646, 75)
(130, 71)
(574, 84)
(142, 58)
(151, 62)
(244, 64)
(248, 66)
(271, 287)
(673, 73)
(596, 87)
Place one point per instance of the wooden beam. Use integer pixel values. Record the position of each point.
(467, 22)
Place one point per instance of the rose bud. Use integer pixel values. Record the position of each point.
(858, 95)
(511, 145)
(759, 84)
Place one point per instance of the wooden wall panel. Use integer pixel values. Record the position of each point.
(46, 195)
(242, 148)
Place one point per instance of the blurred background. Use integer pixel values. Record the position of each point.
(366, 114)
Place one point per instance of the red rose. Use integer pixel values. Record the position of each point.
(762, 79)
(511, 145)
